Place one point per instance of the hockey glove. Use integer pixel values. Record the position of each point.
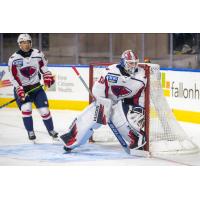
(48, 79)
(20, 93)
(103, 110)
(136, 118)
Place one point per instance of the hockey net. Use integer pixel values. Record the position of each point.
(163, 132)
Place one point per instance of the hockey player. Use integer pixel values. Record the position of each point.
(119, 95)
(26, 66)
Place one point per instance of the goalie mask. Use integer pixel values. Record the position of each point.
(129, 60)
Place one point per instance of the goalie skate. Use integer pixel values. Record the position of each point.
(67, 150)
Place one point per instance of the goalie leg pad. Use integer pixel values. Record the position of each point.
(81, 128)
(135, 138)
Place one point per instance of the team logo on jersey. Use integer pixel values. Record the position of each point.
(18, 63)
(120, 91)
(112, 79)
(28, 71)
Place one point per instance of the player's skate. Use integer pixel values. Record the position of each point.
(53, 134)
(31, 136)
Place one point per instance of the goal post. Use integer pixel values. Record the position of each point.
(164, 135)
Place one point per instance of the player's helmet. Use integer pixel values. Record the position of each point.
(24, 37)
(129, 60)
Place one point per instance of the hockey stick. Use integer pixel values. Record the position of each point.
(110, 123)
(27, 93)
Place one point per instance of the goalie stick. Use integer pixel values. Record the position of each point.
(27, 93)
(112, 126)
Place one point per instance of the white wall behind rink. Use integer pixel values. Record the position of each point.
(67, 86)
(184, 89)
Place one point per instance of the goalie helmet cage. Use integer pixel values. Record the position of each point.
(163, 133)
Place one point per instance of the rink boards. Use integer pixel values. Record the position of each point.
(180, 86)
(67, 92)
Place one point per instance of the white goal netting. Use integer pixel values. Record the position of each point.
(165, 133)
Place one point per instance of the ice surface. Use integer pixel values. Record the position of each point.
(16, 149)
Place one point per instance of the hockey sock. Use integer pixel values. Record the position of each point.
(49, 124)
(28, 123)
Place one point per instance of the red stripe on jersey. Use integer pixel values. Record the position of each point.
(41, 64)
(137, 96)
(14, 73)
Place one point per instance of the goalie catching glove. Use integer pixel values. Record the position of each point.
(103, 110)
(48, 79)
(135, 117)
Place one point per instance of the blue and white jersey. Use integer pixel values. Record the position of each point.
(116, 86)
(25, 71)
